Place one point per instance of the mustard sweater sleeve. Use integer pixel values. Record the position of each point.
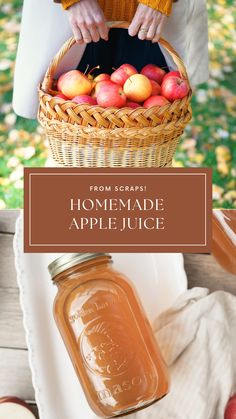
(68, 3)
(163, 6)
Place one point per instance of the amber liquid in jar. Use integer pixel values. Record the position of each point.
(224, 238)
(108, 336)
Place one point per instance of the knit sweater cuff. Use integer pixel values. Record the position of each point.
(67, 3)
(163, 6)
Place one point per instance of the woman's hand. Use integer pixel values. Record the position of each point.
(87, 21)
(147, 23)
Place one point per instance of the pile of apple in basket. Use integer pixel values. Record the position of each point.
(126, 119)
(125, 87)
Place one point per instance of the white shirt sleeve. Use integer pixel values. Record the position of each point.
(44, 29)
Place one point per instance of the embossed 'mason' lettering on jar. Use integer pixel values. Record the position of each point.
(107, 335)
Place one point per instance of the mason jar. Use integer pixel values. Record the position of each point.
(107, 335)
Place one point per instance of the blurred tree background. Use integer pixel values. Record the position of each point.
(210, 139)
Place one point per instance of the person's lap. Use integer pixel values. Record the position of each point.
(120, 49)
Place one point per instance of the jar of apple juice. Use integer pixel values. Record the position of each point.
(107, 335)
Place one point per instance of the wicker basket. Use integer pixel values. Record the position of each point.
(92, 136)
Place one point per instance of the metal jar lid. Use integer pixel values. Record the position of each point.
(69, 260)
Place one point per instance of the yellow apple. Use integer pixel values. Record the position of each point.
(74, 83)
(138, 88)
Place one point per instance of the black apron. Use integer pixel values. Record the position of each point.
(121, 49)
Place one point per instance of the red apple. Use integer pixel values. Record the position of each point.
(156, 88)
(61, 96)
(230, 411)
(123, 73)
(102, 77)
(132, 105)
(174, 88)
(171, 74)
(111, 95)
(138, 88)
(74, 83)
(85, 99)
(153, 72)
(14, 408)
(155, 101)
(100, 85)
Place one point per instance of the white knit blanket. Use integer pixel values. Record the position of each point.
(198, 340)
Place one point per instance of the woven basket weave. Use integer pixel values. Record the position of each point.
(92, 136)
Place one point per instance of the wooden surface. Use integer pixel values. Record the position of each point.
(15, 376)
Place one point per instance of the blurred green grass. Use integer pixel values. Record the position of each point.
(209, 141)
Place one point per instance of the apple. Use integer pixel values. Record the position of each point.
(230, 411)
(174, 88)
(123, 73)
(155, 101)
(111, 95)
(153, 72)
(61, 96)
(14, 408)
(74, 83)
(156, 88)
(102, 77)
(85, 99)
(138, 88)
(171, 74)
(89, 74)
(132, 105)
(100, 85)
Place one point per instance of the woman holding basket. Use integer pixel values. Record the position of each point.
(45, 27)
(137, 46)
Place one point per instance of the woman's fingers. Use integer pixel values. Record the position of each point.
(135, 24)
(134, 28)
(87, 21)
(85, 33)
(143, 32)
(159, 29)
(92, 28)
(153, 28)
(89, 32)
(103, 29)
(77, 33)
(151, 32)
(147, 23)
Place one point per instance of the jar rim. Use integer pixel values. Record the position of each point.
(68, 260)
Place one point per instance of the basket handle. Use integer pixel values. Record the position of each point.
(48, 78)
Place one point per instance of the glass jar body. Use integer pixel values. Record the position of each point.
(109, 340)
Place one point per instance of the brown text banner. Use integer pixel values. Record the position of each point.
(117, 210)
